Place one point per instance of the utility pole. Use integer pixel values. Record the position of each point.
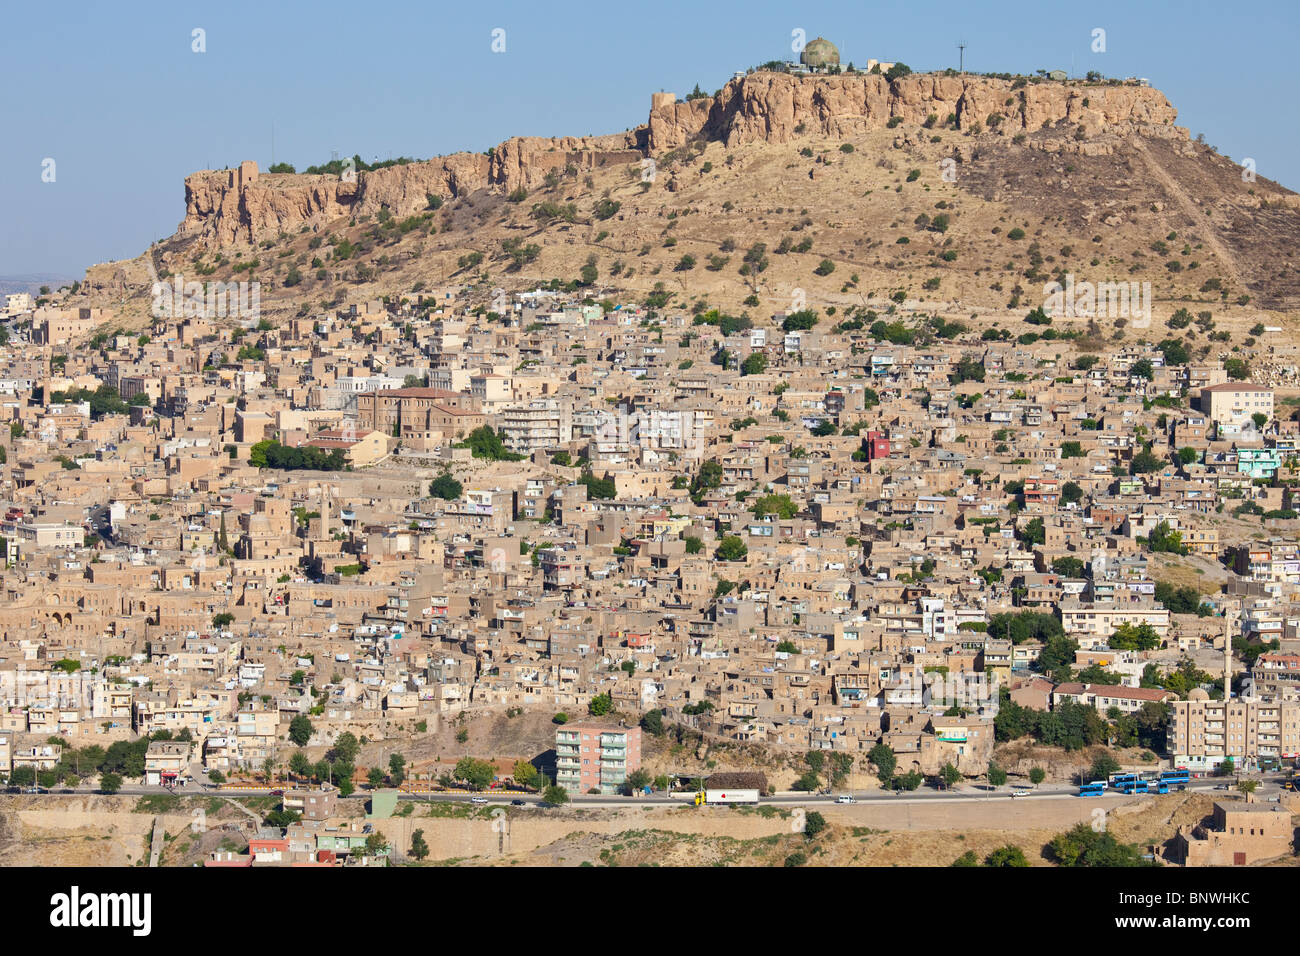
(961, 57)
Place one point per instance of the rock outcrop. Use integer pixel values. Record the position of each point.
(777, 107)
(241, 206)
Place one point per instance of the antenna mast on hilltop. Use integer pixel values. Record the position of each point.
(961, 57)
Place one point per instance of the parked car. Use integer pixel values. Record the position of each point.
(277, 792)
(845, 799)
(517, 803)
(478, 799)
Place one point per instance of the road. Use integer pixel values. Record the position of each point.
(970, 792)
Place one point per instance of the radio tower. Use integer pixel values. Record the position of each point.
(961, 57)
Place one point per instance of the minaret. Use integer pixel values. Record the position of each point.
(1227, 655)
(324, 513)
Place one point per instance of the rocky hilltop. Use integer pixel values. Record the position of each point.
(226, 207)
(943, 191)
(777, 107)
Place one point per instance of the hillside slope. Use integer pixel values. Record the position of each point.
(959, 194)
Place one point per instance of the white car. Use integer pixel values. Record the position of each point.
(478, 799)
(845, 799)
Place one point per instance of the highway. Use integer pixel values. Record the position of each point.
(963, 793)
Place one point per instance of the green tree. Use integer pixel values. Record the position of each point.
(731, 548)
(638, 780)
(950, 776)
(1037, 775)
(908, 781)
(476, 773)
(556, 795)
(799, 321)
(1057, 656)
(881, 756)
(1033, 532)
(780, 505)
(1009, 855)
(342, 775)
(1102, 767)
(1135, 637)
(997, 776)
(375, 777)
(419, 849)
(300, 730)
(108, 782)
(807, 782)
(525, 773)
(446, 487)
(1083, 846)
(485, 443)
(347, 747)
(600, 705)
(397, 769)
(813, 824)
(299, 764)
(1068, 567)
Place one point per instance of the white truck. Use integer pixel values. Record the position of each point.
(726, 796)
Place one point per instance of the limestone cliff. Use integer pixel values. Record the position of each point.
(241, 206)
(777, 107)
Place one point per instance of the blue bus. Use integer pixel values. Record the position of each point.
(1132, 786)
(1092, 790)
(1175, 776)
(1119, 778)
(1162, 787)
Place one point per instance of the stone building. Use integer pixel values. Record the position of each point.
(1239, 834)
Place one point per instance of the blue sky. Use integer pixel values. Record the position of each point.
(115, 96)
